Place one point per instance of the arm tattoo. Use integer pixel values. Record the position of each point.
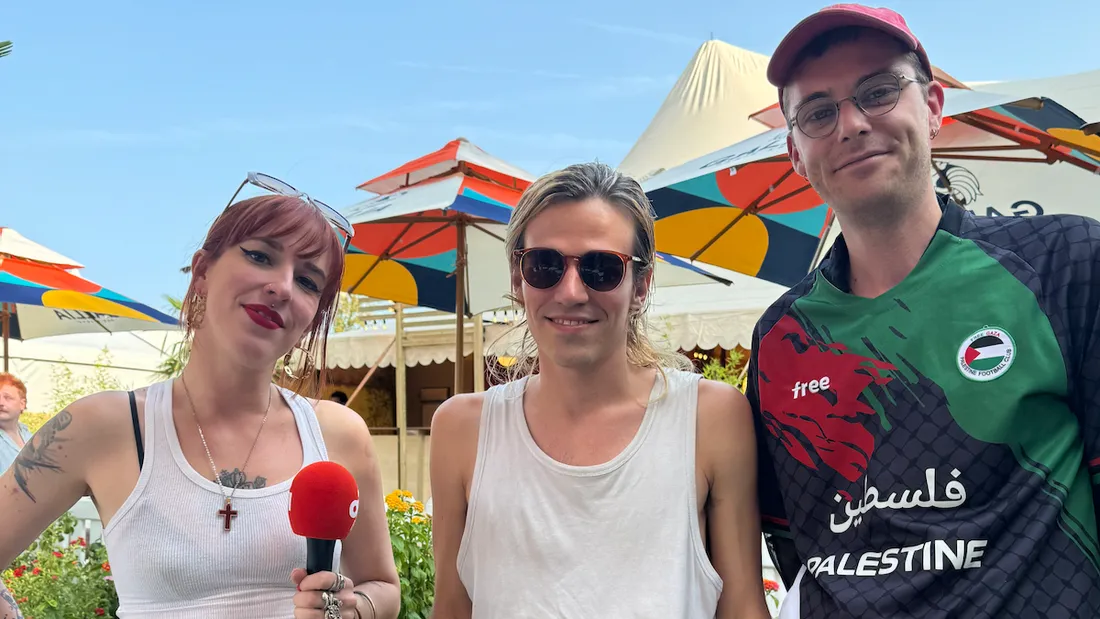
(40, 453)
(237, 479)
(5, 596)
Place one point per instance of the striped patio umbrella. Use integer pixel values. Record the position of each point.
(743, 208)
(40, 299)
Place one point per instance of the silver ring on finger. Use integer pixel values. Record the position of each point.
(338, 583)
(331, 605)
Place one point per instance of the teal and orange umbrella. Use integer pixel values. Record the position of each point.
(743, 208)
(41, 299)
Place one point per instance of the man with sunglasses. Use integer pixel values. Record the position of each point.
(928, 399)
(604, 480)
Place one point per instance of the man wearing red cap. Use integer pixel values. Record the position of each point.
(928, 399)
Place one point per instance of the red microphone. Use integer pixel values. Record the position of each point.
(324, 501)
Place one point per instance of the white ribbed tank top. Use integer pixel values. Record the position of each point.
(171, 556)
(619, 539)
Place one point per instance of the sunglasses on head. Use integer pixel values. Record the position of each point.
(341, 225)
(600, 270)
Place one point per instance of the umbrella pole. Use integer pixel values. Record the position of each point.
(7, 331)
(401, 399)
(460, 303)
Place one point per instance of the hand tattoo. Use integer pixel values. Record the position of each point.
(5, 596)
(40, 453)
(237, 479)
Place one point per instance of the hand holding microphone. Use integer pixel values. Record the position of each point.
(324, 502)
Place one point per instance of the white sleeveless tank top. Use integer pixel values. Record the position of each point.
(616, 540)
(170, 554)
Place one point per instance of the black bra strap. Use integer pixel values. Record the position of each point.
(137, 431)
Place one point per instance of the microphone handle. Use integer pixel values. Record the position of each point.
(319, 554)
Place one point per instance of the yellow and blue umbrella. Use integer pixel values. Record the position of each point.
(41, 300)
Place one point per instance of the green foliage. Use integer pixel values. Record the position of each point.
(55, 580)
(5, 48)
(731, 372)
(347, 317)
(411, 536)
(68, 388)
(175, 356)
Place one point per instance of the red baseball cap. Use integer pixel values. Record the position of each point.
(839, 16)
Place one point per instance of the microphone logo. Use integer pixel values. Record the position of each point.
(353, 511)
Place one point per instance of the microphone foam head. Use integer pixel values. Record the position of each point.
(324, 501)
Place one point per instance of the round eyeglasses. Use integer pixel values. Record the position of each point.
(875, 96)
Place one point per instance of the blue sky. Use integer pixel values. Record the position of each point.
(126, 126)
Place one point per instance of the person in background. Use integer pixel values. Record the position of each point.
(13, 433)
(191, 476)
(339, 397)
(604, 480)
(928, 398)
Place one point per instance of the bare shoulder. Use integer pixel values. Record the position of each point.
(344, 430)
(722, 406)
(96, 417)
(455, 428)
(458, 416)
(725, 425)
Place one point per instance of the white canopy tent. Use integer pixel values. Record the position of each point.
(707, 109)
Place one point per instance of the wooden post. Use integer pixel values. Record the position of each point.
(479, 354)
(460, 303)
(401, 400)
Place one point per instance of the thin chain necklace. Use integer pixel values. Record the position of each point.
(226, 513)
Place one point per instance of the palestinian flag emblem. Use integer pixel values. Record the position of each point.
(986, 354)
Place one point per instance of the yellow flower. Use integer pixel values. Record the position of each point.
(406, 494)
(418, 506)
(401, 507)
(417, 519)
(394, 502)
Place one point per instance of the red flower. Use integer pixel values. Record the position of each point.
(54, 577)
(771, 585)
(22, 600)
(106, 566)
(57, 554)
(100, 611)
(18, 572)
(36, 572)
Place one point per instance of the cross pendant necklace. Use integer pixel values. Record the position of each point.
(227, 513)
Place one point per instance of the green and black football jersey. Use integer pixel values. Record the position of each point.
(935, 451)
